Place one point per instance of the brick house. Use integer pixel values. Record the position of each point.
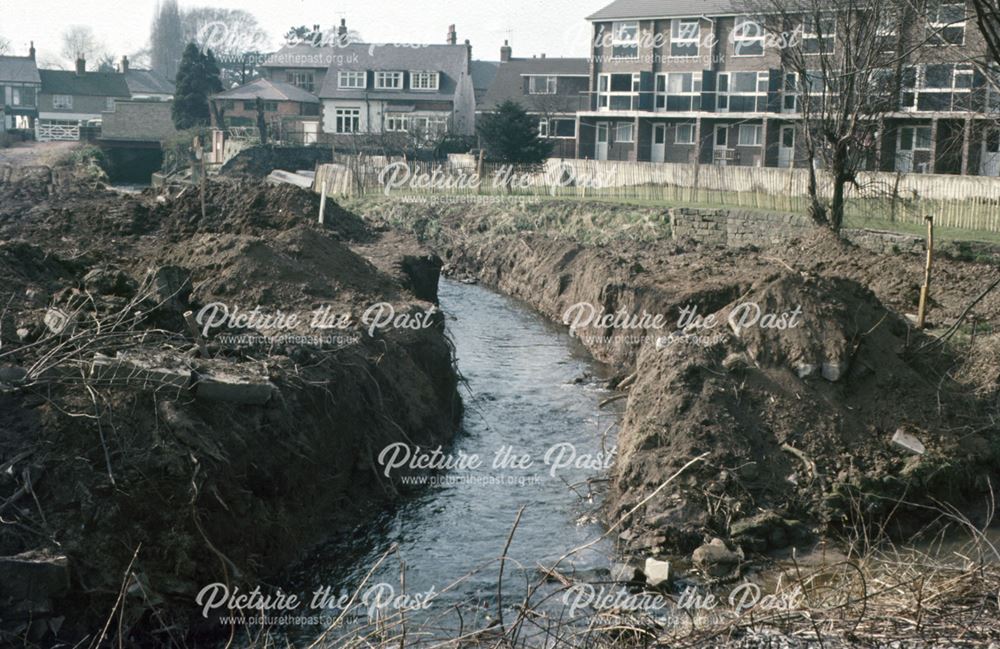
(551, 89)
(70, 99)
(20, 86)
(291, 113)
(693, 80)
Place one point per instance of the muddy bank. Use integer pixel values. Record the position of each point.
(128, 446)
(795, 421)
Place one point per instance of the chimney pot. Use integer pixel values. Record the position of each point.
(81, 64)
(31, 50)
(452, 35)
(124, 64)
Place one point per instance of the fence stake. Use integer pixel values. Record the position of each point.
(322, 203)
(922, 311)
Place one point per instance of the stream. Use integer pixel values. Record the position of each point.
(524, 398)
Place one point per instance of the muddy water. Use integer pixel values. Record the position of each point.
(520, 395)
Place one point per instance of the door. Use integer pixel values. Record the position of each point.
(659, 152)
(720, 149)
(602, 141)
(786, 147)
(990, 165)
(904, 150)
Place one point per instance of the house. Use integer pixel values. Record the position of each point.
(693, 80)
(70, 99)
(552, 89)
(305, 64)
(483, 74)
(20, 86)
(288, 110)
(146, 84)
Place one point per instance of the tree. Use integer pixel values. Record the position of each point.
(79, 40)
(107, 63)
(988, 20)
(4, 45)
(843, 61)
(510, 135)
(197, 81)
(166, 41)
(232, 34)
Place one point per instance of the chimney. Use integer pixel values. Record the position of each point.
(342, 30)
(452, 35)
(124, 65)
(31, 51)
(81, 64)
(543, 55)
(506, 52)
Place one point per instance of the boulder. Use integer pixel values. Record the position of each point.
(715, 559)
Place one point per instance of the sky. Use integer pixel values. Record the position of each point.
(534, 27)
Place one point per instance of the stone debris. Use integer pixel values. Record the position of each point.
(908, 442)
(657, 572)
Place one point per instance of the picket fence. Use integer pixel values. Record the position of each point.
(963, 202)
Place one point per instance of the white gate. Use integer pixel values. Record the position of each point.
(45, 132)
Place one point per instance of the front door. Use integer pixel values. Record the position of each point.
(990, 165)
(602, 141)
(720, 149)
(786, 147)
(659, 153)
(904, 150)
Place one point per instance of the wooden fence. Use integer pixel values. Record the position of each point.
(964, 202)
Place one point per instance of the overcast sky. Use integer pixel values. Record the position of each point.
(553, 27)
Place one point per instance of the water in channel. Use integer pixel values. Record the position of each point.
(521, 401)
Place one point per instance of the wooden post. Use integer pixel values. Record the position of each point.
(922, 310)
(199, 156)
(322, 202)
(479, 170)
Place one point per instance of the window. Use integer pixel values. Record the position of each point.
(684, 36)
(684, 134)
(790, 93)
(946, 24)
(742, 92)
(428, 127)
(937, 87)
(625, 40)
(389, 80)
(62, 101)
(557, 128)
(24, 96)
(348, 120)
(678, 91)
(915, 138)
(424, 80)
(542, 85)
(623, 131)
(301, 79)
(352, 79)
(818, 35)
(748, 37)
(618, 91)
(749, 135)
(396, 123)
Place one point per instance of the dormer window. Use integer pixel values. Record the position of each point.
(539, 85)
(389, 80)
(424, 80)
(351, 79)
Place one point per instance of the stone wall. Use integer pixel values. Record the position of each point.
(741, 228)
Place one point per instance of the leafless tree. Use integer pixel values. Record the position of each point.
(166, 39)
(80, 40)
(843, 61)
(988, 20)
(4, 45)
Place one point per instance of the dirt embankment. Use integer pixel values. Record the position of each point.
(794, 413)
(125, 443)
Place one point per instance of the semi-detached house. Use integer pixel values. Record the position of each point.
(694, 80)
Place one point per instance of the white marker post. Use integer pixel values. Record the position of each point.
(322, 202)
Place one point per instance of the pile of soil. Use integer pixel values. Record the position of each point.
(796, 424)
(132, 459)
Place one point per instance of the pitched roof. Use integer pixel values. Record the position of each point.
(663, 9)
(302, 56)
(483, 73)
(509, 84)
(269, 91)
(21, 69)
(148, 82)
(451, 61)
(98, 84)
